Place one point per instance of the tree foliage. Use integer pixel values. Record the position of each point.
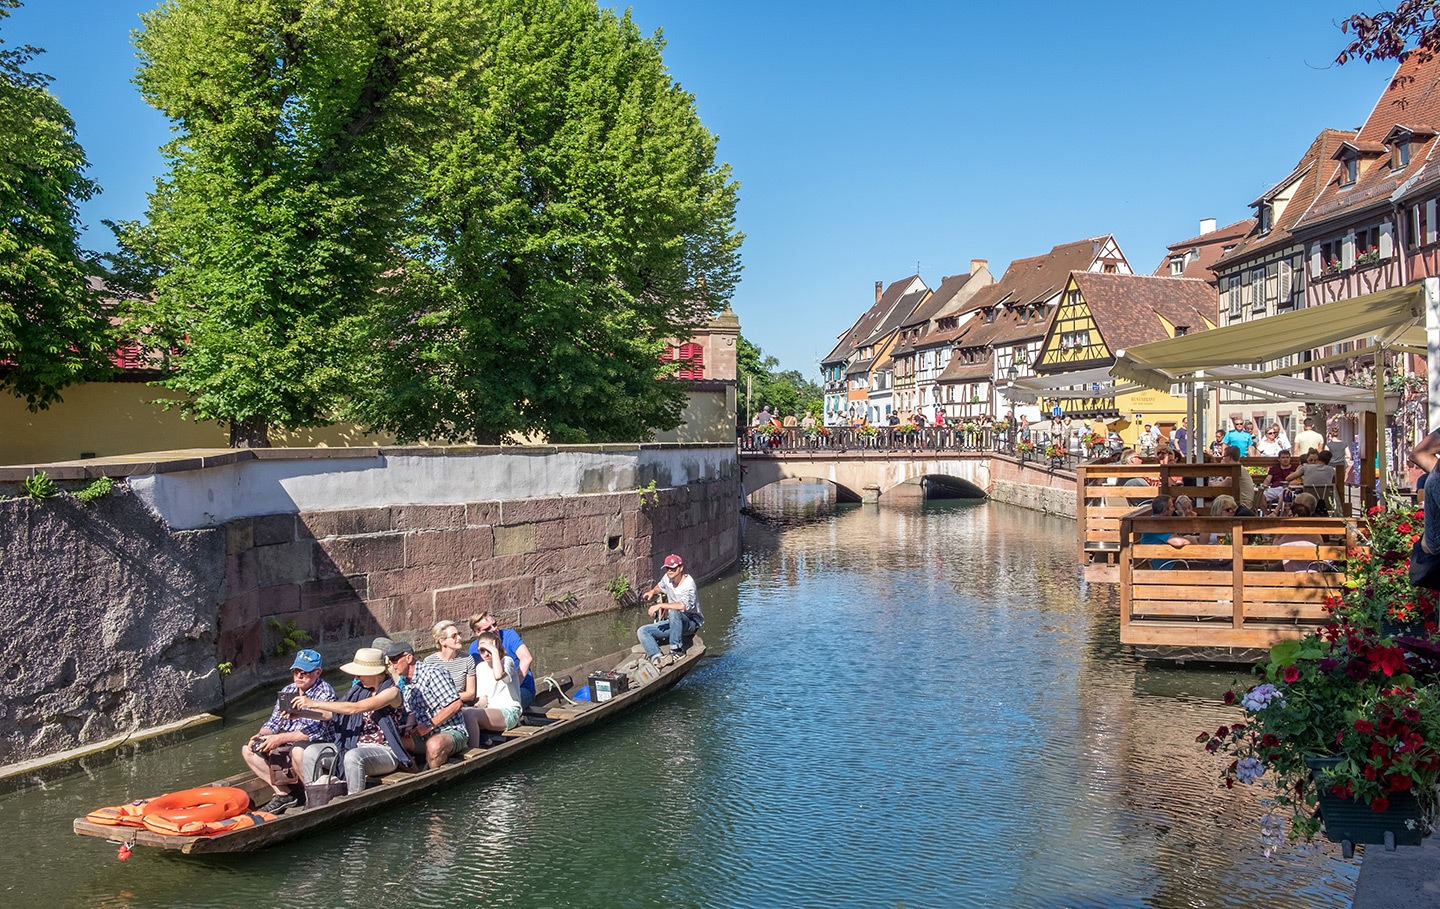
(444, 219)
(784, 392)
(573, 220)
(268, 239)
(1414, 25)
(52, 332)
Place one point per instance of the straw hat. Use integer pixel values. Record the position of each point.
(368, 661)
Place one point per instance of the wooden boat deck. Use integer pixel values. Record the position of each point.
(549, 719)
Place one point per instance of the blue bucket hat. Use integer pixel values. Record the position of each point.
(307, 660)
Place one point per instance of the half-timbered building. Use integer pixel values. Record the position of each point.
(1099, 314)
(923, 344)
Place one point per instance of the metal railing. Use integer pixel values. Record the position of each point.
(898, 440)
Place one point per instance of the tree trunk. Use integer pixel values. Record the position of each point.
(250, 433)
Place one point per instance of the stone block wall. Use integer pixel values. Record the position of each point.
(107, 621)
(112, 619)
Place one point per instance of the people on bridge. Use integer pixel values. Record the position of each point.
(807, 422)
(515, 648)
(763, 417)
(498, 707)
(436, 729)
(675, 618)
(791, 421)
(370, 720)
(284, 752)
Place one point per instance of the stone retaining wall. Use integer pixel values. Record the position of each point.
(113, 618)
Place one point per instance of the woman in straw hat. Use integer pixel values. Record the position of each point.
(373, 711)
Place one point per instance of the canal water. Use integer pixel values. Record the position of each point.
(914, 706)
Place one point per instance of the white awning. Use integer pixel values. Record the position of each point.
(1394, 318)
(1282, 389)
(1086, 383)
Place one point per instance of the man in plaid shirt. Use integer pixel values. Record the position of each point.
(438, 729)
(280, 751)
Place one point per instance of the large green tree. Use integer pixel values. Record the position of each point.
(296, 131)
(573, 219)
(52, 331)
(444, 219)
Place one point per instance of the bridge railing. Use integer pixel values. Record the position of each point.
(1040, 448)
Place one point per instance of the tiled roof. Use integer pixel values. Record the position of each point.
(1309, 177)
(1411, 97)
(1031, 280)
(950, 287)
(1127, 308)
(960, 371)
(1210, 247)
(898, 312)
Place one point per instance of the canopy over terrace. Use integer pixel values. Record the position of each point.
(1401, 318)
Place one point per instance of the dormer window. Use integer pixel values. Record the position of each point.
(1177, 266)
(1400, 154)
(1266, 216)
(1348, 169)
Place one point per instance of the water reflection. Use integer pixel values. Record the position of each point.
(913, 705)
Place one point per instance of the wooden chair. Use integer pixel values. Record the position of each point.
(1325, 495)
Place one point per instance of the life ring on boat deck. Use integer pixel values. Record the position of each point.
(175, 811)
(127, 815)
(162, 825)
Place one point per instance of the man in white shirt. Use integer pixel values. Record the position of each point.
(1307, 439)
(680, 611)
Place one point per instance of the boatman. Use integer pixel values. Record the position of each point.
(677, 616)
(278, 752)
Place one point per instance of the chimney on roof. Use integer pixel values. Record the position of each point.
(1207, 225)
(879, 290)
(977, 264)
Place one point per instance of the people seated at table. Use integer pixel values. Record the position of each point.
(1162, 507)
(1302, 507)
(1278, 478)
(1245, 494)
(1184, 507)
(1316, 470)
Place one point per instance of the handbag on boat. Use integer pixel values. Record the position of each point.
(323, 790)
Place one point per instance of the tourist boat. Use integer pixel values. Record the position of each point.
(550, 718)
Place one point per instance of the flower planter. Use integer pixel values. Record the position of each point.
(1351, 821)
(1057, 463)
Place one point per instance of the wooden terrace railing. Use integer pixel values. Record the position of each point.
(1102, 499)
(1232, 593)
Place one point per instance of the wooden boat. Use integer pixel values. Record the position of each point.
(550, 718)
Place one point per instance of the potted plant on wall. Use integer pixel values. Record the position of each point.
(1056, 453)
(1024, 448)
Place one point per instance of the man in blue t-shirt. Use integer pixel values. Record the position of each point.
(1240, 438)
(514, 648)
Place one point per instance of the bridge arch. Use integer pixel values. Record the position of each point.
(945, 486)
(862, 476)
(843, 493)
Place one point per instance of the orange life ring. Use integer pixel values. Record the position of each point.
(197, 806)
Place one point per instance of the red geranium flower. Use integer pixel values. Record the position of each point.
(1292, 674)
(1380, 803)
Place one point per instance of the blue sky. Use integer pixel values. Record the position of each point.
(869, 137)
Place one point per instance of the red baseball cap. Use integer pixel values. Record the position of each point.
(673, 561)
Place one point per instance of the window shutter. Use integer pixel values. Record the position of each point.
(1316, 268)
(1430, 221)
(1347, 251)
(1286, 281)
(1387, 245)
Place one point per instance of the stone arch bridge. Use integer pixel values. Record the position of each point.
(869, 476)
